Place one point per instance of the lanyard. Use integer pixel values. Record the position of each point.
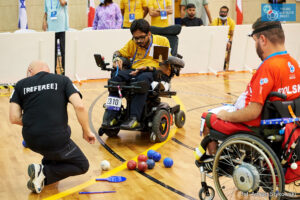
(129, 5)
(273, 54)
(133, 62)
(159, 5)
(221, 22)
(56, 5)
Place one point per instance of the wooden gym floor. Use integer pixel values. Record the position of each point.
(195, 93)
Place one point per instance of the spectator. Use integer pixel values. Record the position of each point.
(191, 20)
(224, 20)
(199, 7)
(133, 9)
(39, 104)
(56, 19)
(159, 11)
(107, 16)
(177, 14)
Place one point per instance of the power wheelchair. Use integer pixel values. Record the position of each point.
(157, 116)
(249, 165)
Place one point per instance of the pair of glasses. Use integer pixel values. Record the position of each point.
(141, 38)
(223, 11)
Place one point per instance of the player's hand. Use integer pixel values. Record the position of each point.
(89, 137)
(223, 115)
(117, 62)
(138, 70)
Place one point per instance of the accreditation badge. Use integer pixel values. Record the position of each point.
(53, 15)
(131, 17)
(163, 14)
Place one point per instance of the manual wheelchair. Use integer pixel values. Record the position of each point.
(249, 165)
(157, 116)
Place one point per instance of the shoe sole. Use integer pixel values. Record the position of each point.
(31, 174)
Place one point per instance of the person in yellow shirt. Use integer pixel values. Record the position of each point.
(224, 20)
(143, 66)
(159, 10)
(177, 12)
(133, 9)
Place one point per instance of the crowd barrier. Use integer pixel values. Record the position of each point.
(243, 54)
(203, 49)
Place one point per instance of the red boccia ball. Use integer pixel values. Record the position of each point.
(142, 158)
(142, 166)
(131, 165)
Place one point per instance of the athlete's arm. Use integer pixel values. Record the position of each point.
(251, 112)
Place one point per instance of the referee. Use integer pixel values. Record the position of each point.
(39, 104)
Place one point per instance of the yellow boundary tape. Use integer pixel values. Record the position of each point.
(117, 169)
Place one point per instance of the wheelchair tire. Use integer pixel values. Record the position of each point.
(161, 125)
(179, 119)
(111, 132)
(203, 195)
(247, 165)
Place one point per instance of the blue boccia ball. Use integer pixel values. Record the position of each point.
(168, 162)
(24, 144)
(150, 153)
(156, 156)
(150, 163)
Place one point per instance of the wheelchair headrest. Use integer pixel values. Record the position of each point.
(174, 61)
(170, 30)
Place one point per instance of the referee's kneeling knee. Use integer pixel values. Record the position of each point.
(84, 166)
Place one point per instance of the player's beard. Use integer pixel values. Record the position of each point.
(259, 51)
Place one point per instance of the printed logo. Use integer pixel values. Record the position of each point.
(278, 12)
(263, 81)
(292, 68)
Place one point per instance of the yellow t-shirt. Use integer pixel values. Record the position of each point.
(131, 47)
(138, 11)
(177, 9)
(229, 22)
(157, 21)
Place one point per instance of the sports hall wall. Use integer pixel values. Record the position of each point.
(78, 12)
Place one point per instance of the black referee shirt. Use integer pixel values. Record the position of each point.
(43, 99)
(191, 22)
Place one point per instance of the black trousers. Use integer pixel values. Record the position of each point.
(138, 100)
(61, 37)
(60, 164)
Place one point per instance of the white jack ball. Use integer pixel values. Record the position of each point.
(105, 165)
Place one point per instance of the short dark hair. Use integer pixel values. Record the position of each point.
(275, 35)
(225, 8)
(140, 24)
(190, 5)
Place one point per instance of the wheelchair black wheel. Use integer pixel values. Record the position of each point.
(161, 125)
(207, 195)
(179, 119)
(246, 167)
(111, 132)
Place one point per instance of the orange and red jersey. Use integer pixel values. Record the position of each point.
(279, 73)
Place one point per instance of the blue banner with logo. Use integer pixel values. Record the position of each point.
(278, 12)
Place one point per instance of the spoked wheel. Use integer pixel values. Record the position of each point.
(209, 194)
(246, 167)
(161, 126)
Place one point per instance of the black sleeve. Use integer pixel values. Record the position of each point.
(70, 88)
(16, 95)
(200, 22)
